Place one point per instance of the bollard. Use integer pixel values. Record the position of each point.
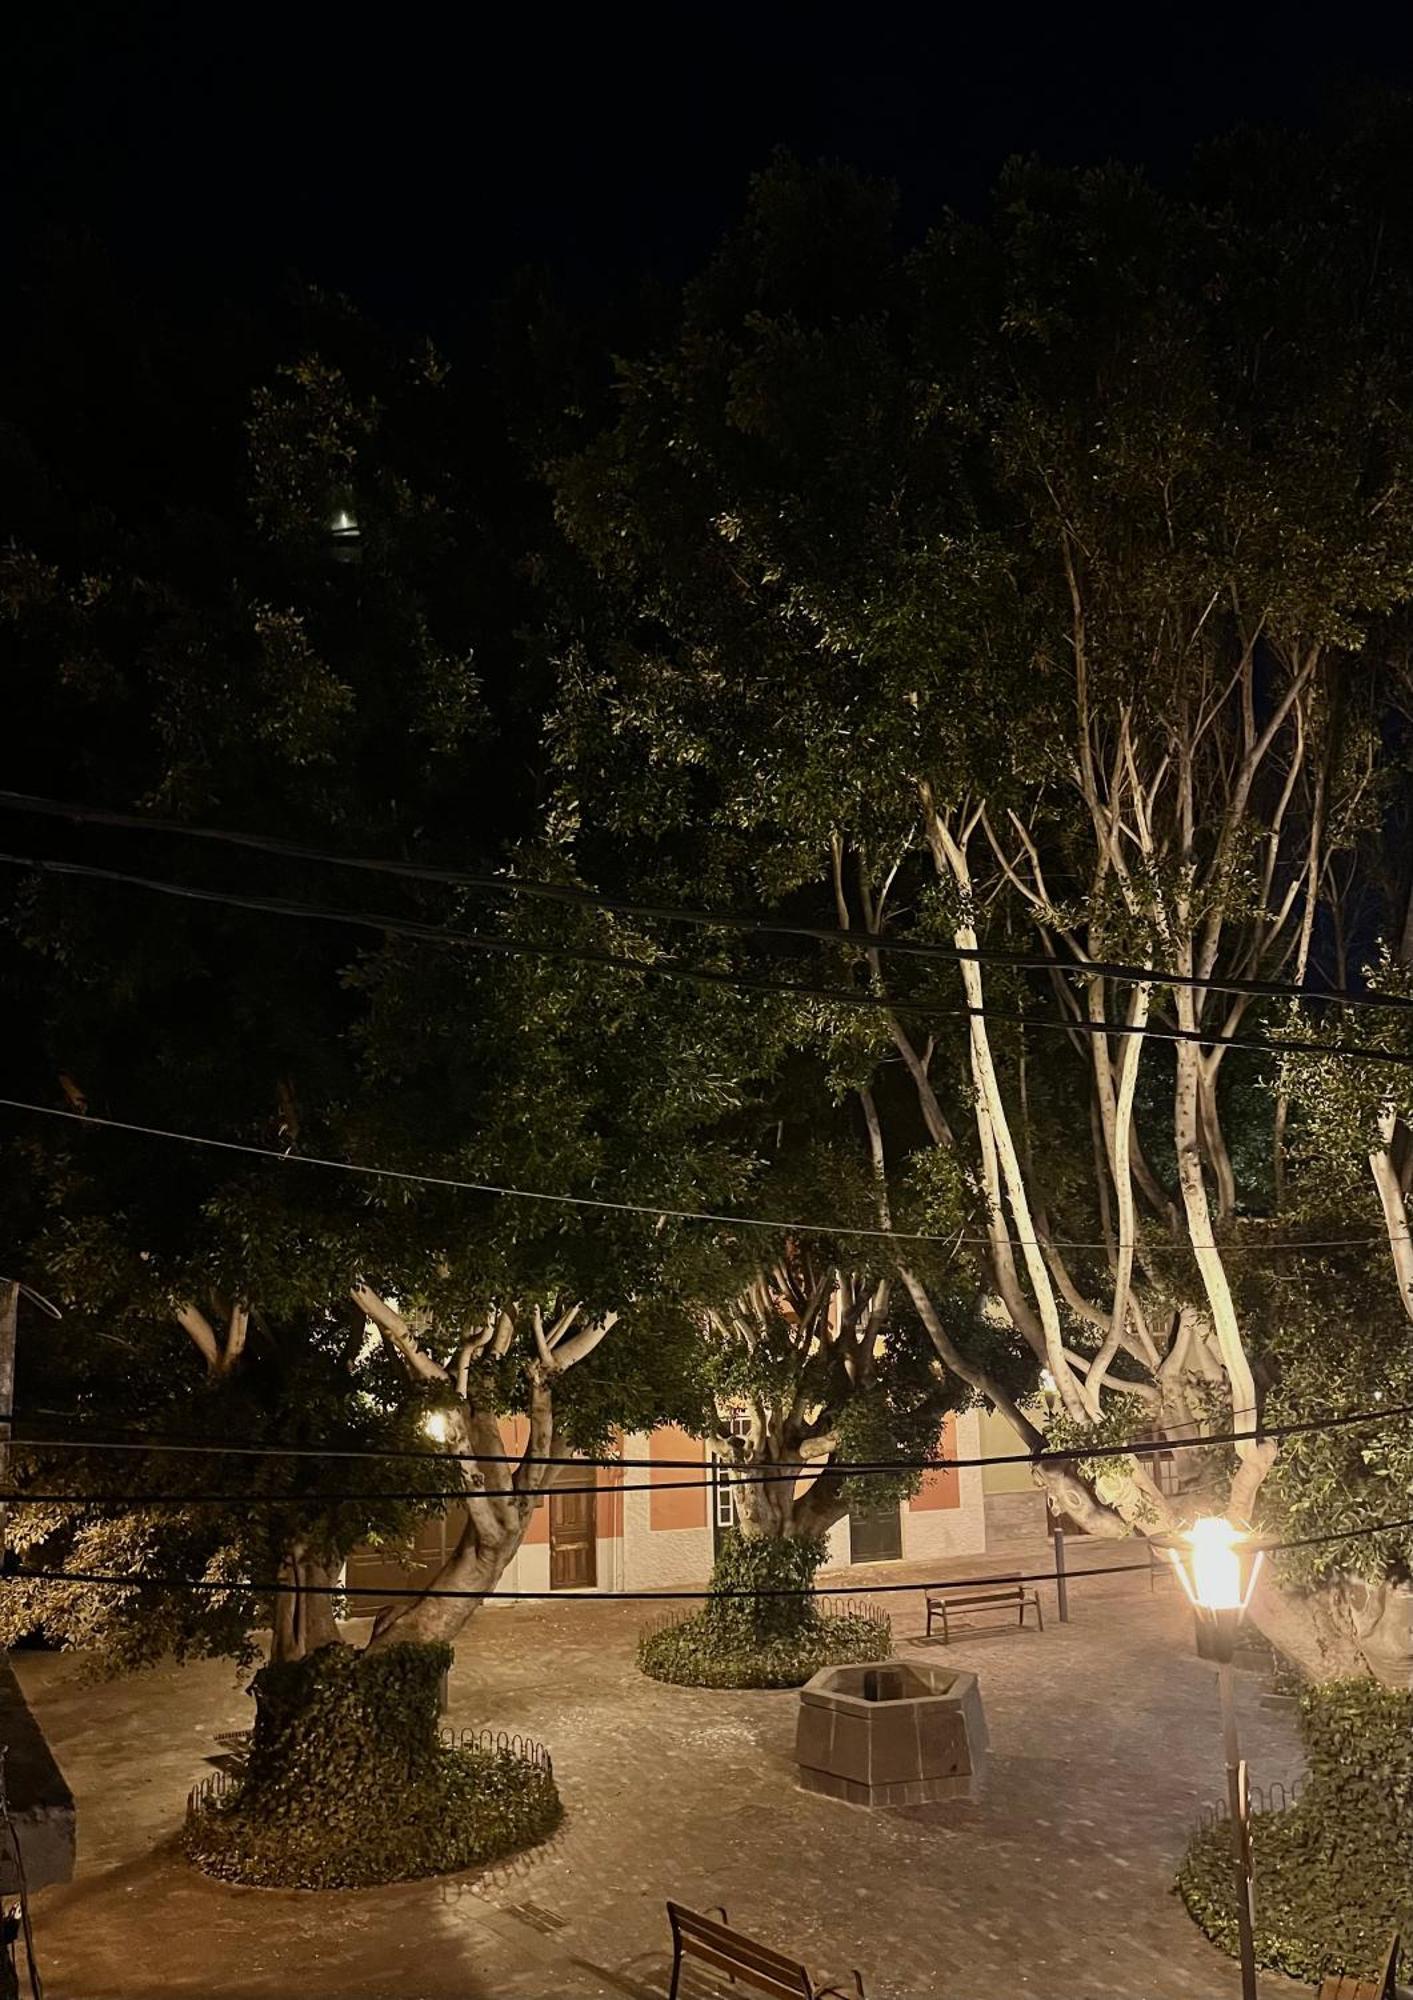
(1062, 1589)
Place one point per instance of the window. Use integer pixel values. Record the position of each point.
(723, 1500)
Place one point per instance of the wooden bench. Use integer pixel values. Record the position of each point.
(1005, 1589)
(744, 1960)
(1339, 1986)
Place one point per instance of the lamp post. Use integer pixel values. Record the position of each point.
(1055, 1519)
(1217, 1566)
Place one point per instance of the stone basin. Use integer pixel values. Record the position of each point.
(891, 1733)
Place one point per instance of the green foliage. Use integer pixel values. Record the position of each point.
(1337, 1337)
(776, 1639)
(697, 1652)
(347, 1784)
(775, 1565)
(1334, 1873)
(118, 1360)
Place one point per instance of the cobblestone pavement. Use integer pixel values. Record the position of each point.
(1056, 1884)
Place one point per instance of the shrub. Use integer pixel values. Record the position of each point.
(697, 1652)
(782, 1569)
(760, 1626)
(1334, 1873)
(348, 1783)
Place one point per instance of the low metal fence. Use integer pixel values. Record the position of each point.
(833, 1603)
(213, 1790)
(1264, 1799)
(527, 1749)
(217, 1787)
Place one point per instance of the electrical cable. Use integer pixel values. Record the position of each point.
(849, 1468)
(777, 1224)
(255, 1588)
(508, 888)
(674, 969)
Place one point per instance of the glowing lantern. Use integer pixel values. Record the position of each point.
(344, 534)
(1217, 1566)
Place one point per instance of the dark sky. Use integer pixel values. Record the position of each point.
(413, 156)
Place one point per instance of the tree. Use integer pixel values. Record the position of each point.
(182, 640)
(1028, 595)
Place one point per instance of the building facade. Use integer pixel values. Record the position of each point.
(655, 1526)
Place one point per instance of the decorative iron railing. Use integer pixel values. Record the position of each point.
(1264, 1799)
(219, 1786)
(835, 1604)
(212, 1790)
(527, 1749)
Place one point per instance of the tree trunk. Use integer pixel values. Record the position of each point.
(498, 1512)
(772, 1507)
(1341, 1628)
(471, 1569)
(303, 1618)
(9, 1333)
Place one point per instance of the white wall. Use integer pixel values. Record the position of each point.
(657, 1558)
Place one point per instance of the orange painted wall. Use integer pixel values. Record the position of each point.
(942, 1487)
(666, 1508)
(608, 1508)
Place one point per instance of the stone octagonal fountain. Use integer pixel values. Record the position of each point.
(891, 1734)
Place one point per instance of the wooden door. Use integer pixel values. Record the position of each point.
(572, 1539)
(875, 1534)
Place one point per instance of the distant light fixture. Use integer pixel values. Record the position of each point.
(437, 1426)
(345, 535)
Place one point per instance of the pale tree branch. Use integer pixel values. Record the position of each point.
(194, 1322)
(1395, 1209)
(399, 1336)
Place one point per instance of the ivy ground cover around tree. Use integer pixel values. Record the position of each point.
(775, 1640)
(349, 1785)
(1334, 1873)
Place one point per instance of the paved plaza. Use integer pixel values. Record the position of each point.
(1056, 1884)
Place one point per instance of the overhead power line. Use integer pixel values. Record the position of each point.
(1068, 1454)
(509, 888)
(692, 975)
(652, 1208)
(254, 1588)
(278, 1588)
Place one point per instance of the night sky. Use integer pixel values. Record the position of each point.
(414, 157)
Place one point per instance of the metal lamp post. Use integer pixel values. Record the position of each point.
(1217, 1566)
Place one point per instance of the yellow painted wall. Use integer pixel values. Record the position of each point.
(997, 1439)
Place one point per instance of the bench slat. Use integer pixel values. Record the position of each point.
(707, 1928)
(737, 1968)
(984, 1597)
(742, 1958)
(760, 1957)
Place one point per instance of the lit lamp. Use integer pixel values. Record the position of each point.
(1217, 1566)
(437, 1426)
(344, 535)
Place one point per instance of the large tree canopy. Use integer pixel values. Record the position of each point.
(1041, 591)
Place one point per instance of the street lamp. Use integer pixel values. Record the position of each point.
(1217, 1566)
(437, 1426)
(345, 537)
